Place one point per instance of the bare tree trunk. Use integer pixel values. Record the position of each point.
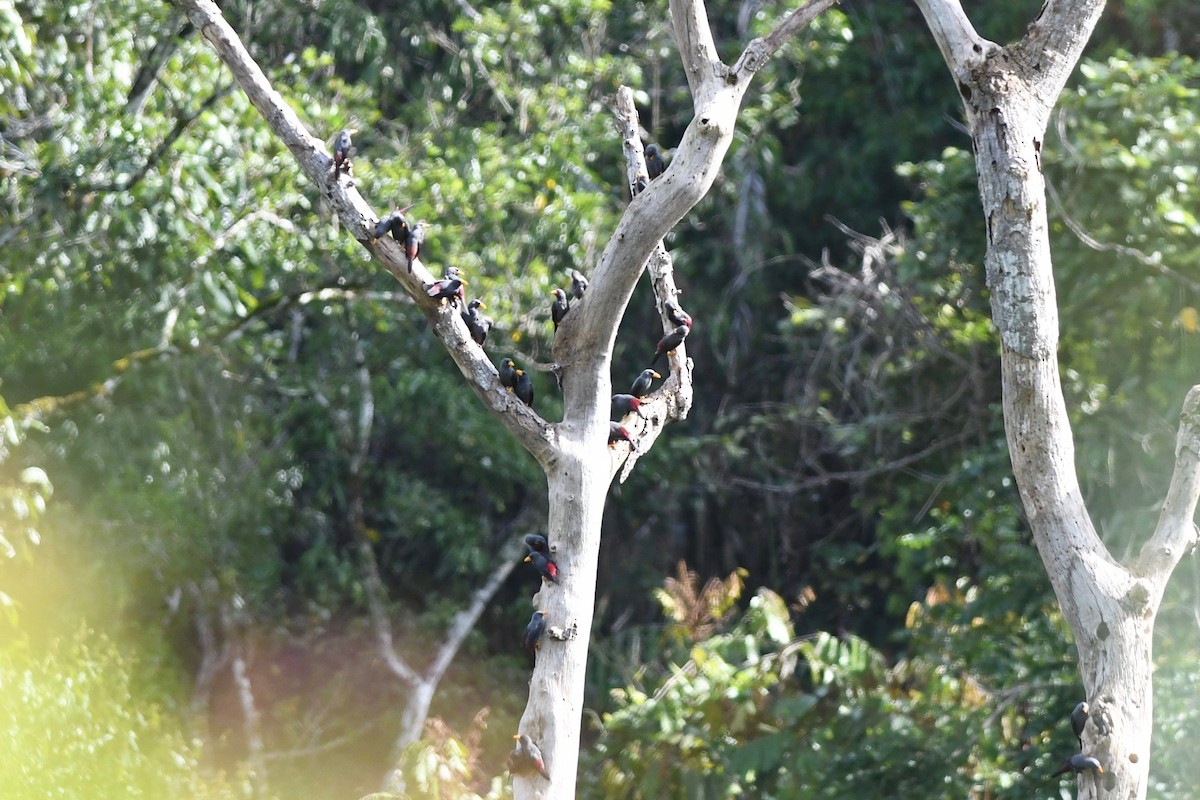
(1008, 93)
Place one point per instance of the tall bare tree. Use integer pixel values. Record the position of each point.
(578, 464)
(1008, 93)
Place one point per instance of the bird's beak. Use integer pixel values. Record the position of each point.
(516, 736)
(655, 374)
(1100, 770)
(482, 304)
(528, 558)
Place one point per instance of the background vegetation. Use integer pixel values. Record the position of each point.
(179, 324)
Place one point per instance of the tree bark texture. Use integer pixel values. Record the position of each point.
(1008, 93)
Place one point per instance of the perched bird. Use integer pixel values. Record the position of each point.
(678, 315)
(667, 344)
(654, 161)
(618, 433)
(450, 287)
(392, 221)
(534, 631)
(526, 758)
(560, 307)
(641, 385)
(537, 543)
(477, 323)
(414, 240)
(1079, 763)
(1079, 718)
(508, 373)
(544, 565)
(342, 149)
(625, 404)
(524, 387)
(579, 283)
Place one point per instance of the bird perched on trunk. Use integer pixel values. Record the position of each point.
(526, 758)
(342, 149)
(1079, 763)
(524, 387)
(579, 283)
(667, 344)
(477, 323)
(508, 374)
(537, 543)
(619, 433)
(654, 161)
(544, 565)
(641, 384)
(626, 404)
(534, 631)
(450, 287)
(678, 315)
(413, 241)
(393, 222)
(1079, 718)
(560, 307)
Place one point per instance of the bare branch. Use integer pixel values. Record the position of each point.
(1176, 531)
(759, 51)
(962, 48)
(693, 37)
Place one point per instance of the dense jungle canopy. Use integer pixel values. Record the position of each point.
(821, 583)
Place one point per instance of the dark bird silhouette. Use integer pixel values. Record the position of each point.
(619, 433)
(526, 758)
(392, 222)
(678, 315)
(413, 241)
(544, 565)
(524, 387)
(537, 543)
(450, 287)
(560, 307)
(579, 283)
(342, 149)
(654, 161)
(477, 323)
(534, 631)
(667, 344)
(1078, 763)
(625, 404)
(641, 384)
(1079, 718)
(508, 374)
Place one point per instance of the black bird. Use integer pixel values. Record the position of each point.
(641, 385)
(560, 307)
(537, 543)
(534, 631)
(1079, 763)
(678, 315)
(1079, 718)
(524, 387)
(413, 242)
(579, 283)
(668, 343)
(508, 374)
(625, 404)
(545, 565)
(477, 323)
(342, 149)
(450, 287)
(654, 161)
(392, 221)
(619, 433)
(526, 758)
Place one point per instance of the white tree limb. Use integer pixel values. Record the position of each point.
(1176, 531)
(963, 49)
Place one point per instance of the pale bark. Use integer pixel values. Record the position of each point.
(573, 453)
(1008, 94)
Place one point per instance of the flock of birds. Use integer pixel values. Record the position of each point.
(526, 758)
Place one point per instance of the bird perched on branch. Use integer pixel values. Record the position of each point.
(477, 323)
(619, 433)
(413, 241)
(579, 284)
(677, 315)
(526, 758)
(508, 374)
(343, 147)
(392, 222)
(626, 404)
(545, 565)
(534, 631)
(450, 287)
(560, 307)
(1079, 718)
(671, 340)
(654, 161)
(1079, 763)
(537, 543)
(641, 384)
(523, 387)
